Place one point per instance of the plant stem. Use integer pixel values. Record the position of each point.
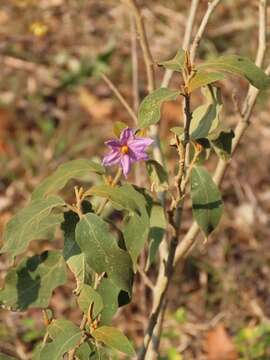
(167, 263)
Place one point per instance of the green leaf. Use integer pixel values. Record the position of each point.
(158, 176)
(223, 144)
(112, 337)
(85, 352)
(90, 297)
(135, 233)
(102, 252)
(206, 199)
(124, 197)
(150, 108)
(239, 65)
(137, 223)
(72, 253)
(118, 127)
(206, 117)
(109, 294)
(30, 223)
(176, 63)
(158, 225)
(203, 78)
(65, 172)
(203, 117)
(67, 337)
(58, 326)
(30, 285)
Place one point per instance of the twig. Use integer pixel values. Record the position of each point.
(201, 30)
(187, 36)
(135, 65)
(167, 260)
(148, 60)
(149, 65)
(145, 278)
(190, 238)
(120, 97)
(190, 22)
(164, 250)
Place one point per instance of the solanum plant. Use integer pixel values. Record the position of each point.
(102, 254)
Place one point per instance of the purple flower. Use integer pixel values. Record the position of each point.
(126, 150)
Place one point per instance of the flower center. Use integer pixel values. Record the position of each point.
(124, 149)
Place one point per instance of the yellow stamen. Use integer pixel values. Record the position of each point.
(124, 149)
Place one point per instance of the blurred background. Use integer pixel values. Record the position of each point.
(54, 106)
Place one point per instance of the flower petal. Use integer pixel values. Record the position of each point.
(137, 156)
(139, 144)
(112, 158)
(126, 164)
(126, 134)
(114, 144)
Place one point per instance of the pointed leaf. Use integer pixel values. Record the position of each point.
(239, 65)
(90, 298)
(203, 78)
(176, 63)
(112, 337)
(65, 172)
(137, 223)
(124, 197)
(203, 116)
(102, 252)
(135, 234)
(86, 351)
(29, 224)
(72, 253)
(158, 226)
(158, 176)
(223, 144)
(109, 294)
(150, 108)
(66, 339)
(206, 117)
(30, 285)
(206, 199)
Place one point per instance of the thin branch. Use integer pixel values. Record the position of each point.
(135, 65)
(202, 27)
(262, 32)
(261, 47)
(145, 278)
(189, 24)
(166, 268)
(120, 97)
(148, 59)
(149, 65)
(187, 37)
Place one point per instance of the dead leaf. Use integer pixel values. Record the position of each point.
(219, 345)
(5, 129)
(98, 109)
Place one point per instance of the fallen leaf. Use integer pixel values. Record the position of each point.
(5, 129)
(219, 345)
(97, 108)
